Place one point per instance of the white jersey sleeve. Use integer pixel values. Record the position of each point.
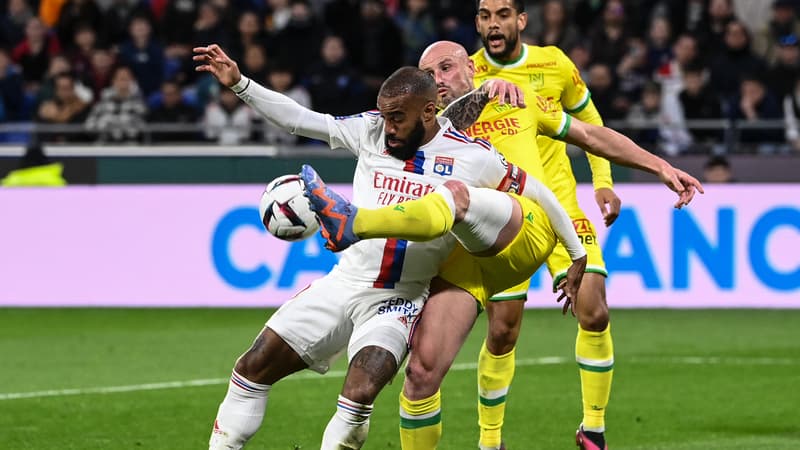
(339, 132)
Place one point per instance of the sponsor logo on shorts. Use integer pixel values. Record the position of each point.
(585, 231)
(406, 310)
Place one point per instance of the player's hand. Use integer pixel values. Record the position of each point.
(609, 204)
(505, 91)
(214, 61)
(570, 285)
(681, 182)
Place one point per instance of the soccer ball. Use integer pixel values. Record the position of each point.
(285, 211)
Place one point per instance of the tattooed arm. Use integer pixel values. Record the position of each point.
(465, 110)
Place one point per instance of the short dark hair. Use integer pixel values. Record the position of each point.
(519, 5)
(717, 161)
(409, 80)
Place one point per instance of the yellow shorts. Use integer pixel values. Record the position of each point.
(484, 277)
(559, 261)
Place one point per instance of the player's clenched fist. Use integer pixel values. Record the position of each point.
(213, 60)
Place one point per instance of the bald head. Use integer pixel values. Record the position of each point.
(440, 49)
(451, 68)
(409, 81)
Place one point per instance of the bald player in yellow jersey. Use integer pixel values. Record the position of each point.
(554, 78)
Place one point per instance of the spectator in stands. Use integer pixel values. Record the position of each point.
(791, 112)
(65, 108)
(610, 36)
(255, 62)
(581, 57)
(585, 15)
(755, 103)
(720, 14)
(418, 25)
(228, 121)
(12, 23)
(77, 13)
(697, 102)
(659, 44)
(645, 117)
(101, 70)
(632, 72)
(80, 55)
(556, 28)
(12, 100)
(279, 14)
(34, 53)
(250, 31)
(177, 23)
(209, 26)
(281, 79)
(377, 48)
(609, 102)
(785, 72)
(144, 55)
(450, 28)
(717, 170)
(119, 114)
(766, 42)
(59, 65)
(301, 36)
(117, 15)
(334, 86)
(172, 109)
(735, 60)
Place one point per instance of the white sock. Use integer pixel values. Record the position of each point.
(240, 413)
(348, 428)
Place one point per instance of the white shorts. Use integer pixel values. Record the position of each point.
(332, 314)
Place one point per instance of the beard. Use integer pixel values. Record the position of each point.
(410, 144)
(508, 48)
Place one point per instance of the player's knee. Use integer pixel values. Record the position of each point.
(460, 197)
(593, 315)
(422, 380)
(502, 338)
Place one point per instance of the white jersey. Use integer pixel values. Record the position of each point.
(381, 179)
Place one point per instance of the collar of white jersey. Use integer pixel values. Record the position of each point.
(444, 125)
(523, 55)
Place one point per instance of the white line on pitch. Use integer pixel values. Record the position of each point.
(522, 362)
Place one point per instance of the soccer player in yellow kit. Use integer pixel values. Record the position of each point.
(556, 80)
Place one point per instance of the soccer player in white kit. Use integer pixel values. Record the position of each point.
(369, 302)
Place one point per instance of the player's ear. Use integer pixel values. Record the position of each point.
(522, 21)
(429, 111)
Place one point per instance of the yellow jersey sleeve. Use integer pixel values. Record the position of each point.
(577, 101)
(551, 120)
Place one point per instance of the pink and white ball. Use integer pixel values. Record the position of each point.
(285, 211)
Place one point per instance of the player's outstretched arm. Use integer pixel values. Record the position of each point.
(620, 149)
(273, 106)
(465, 110)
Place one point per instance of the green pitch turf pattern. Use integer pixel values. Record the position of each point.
(152, 379)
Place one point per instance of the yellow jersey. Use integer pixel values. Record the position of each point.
(552, 77)
(513, 131)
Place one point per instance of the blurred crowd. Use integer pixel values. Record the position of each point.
(660, 67)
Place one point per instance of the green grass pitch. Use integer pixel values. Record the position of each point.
(683, 380)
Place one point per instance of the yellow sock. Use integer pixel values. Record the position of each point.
(415, 220)
(594, 352)
(420, 422)
(494, 378)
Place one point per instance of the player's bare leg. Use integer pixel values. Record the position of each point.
(594, 352)
(444, 325)
(370, 370)
(240, 414)
(496, 368)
